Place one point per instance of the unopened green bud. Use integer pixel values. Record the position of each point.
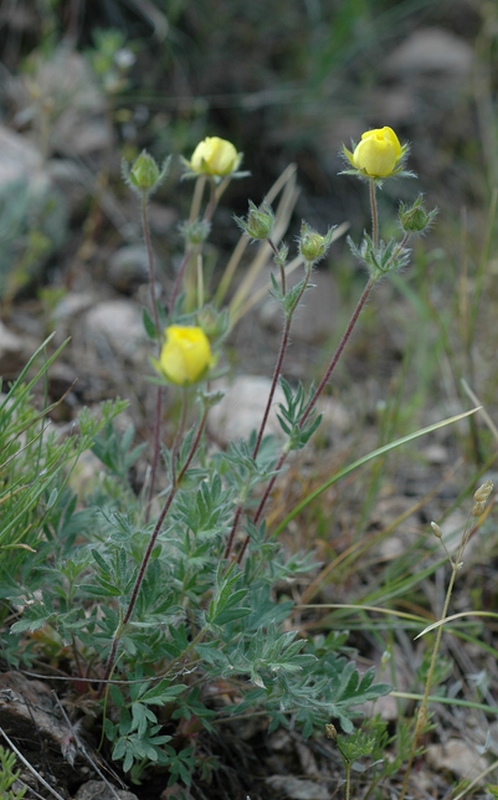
(281, 257)
(213, 322)
(195, 232)
(436, 530)
(312, 245)
(259, 222)
(481, 494)
(331, 732)
(415, 218)
(144, 176)
(144, 173)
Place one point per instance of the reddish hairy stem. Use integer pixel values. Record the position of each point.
(262, 503)
(111, 660)
(157, 450)
(280, 360)
(312, 403)
(345, 337)
(232, 531)
(276, 374)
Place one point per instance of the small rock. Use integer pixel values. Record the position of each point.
(19, 158)
(297, 788)
(70, 179)
(436, 454)
(458, 757)
(241, 409)
(307, 760)
(431, 50)
(162, 218)
(452, 528)
(117, 323)
(34, 215)
(29, 713)
(87, 474)
(12, 351)
(98, 790)
(128, 268)
(66, 84)
(73, 304)
(313, 320)
(69, 311)
(335, 416)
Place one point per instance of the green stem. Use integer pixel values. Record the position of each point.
(159, 397)
(191, 251)
(152, 272)
(197, 197)
(348, 780)
(375, 216)
(422, 712)
(179, 277)
(214, 197)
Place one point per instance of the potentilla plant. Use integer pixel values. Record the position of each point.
(159, 613)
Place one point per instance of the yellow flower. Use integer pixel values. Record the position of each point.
(215, 156)
(379, 153)
(186, 354)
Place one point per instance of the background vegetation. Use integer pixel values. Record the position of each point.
(87, 84)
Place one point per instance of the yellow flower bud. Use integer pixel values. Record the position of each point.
(186, 354)
(378, 153)
(216, 157)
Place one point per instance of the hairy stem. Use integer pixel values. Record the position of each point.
(111, 660)
(179, 277)
(152, 271)
(375, 216)
(157, 449)
(159, 398)
(342, 344)
(284, 342)
(345, 337)
(280, 359)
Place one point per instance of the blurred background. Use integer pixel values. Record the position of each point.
(286, 81)
(84, 84)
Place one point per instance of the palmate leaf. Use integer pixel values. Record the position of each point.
(293, 681)
(162, 693)
(224, 607)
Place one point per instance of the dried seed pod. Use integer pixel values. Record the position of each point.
(331, 732)
(438, 533)
(482, 493)
(481, 496)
